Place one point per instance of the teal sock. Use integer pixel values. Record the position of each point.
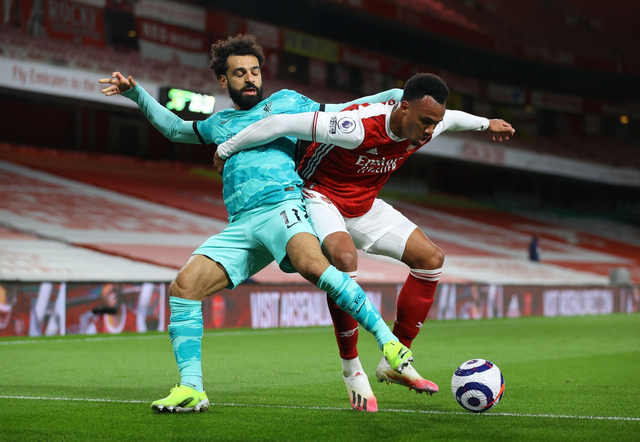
(351, 298)
(185, 330)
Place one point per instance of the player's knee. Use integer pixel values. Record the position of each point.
(177, 288)
(345, 261)
(312, 270)
(436, 260)
(432, 260)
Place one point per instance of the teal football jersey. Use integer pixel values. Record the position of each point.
(259, 176)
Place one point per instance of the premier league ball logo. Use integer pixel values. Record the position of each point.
(477, 385)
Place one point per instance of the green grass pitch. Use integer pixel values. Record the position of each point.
(567, 379)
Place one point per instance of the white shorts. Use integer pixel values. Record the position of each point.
(381, 231)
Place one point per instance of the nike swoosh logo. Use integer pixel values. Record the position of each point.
(291, 225)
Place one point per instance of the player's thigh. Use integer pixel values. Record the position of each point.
(237, 250)
(403, 240)
(369, 229)
(421, 253)
(276, 225)
(326, 219)
(332, 232)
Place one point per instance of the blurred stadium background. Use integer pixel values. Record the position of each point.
(98, 211)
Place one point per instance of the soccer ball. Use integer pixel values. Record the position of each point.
(477, 385)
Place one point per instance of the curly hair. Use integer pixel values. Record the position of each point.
(425, 84)
(238, 45)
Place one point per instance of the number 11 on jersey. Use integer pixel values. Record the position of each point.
(295, 216)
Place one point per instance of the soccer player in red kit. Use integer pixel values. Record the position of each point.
(352, 155)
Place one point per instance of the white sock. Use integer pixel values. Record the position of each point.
(350, 366)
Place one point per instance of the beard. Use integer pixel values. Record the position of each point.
(245, 102)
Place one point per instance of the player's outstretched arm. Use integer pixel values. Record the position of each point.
(461, 121)
(309, 126)
(267, 130)
(169, 124)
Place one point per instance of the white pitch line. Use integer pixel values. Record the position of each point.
(298, 407)
(163, 336)
(72, 340)
(73, 399)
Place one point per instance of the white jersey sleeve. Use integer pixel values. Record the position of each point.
(457, 121)
(341, 128)
(268, 129)
(344, 129)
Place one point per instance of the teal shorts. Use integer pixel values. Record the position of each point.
(257, 237)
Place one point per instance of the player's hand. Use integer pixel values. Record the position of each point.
(218, 162)
(500, 130)
(119, 84)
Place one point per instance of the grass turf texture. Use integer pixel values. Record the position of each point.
(264, 385)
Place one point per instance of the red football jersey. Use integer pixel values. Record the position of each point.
(352, 177)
